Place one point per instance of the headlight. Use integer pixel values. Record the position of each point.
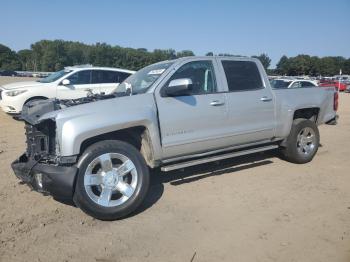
(15, 92)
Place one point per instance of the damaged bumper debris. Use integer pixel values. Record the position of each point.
(57, 181)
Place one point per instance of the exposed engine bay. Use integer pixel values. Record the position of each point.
(41, 135)
(32, 111)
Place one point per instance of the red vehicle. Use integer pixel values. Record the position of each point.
(336, 84)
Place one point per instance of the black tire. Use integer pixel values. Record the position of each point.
(292, 150)
(81, 197)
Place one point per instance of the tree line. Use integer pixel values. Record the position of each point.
(312, 65)
(53, 55)
(47, 55)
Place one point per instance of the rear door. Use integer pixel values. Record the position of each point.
(108, 79)
(250, 102)
(193, 122)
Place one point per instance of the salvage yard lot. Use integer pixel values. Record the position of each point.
(255, 208)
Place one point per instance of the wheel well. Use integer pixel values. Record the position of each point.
(307, 113)
(35, 97)
(137, 136)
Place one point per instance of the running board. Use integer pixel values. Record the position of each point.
(216, 158)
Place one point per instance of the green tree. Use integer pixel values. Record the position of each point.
(264, 59)
(9, 60)
(26, 58)
(282, 65)
(184, 53)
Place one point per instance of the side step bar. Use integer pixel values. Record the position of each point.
(216, 158)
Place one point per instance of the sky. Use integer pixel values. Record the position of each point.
(241, 27)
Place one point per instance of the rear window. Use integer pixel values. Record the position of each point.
(242, 75)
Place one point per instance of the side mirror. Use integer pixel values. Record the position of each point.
(178, 87)
(65, 82)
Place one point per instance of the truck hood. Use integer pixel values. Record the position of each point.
(25, 84)
(62, 110)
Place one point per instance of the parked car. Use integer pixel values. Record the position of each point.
(338, 85)
(7, 73)
(72, 82)
(347, 88)
(171, 115)
(291, 83)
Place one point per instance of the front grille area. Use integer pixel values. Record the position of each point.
(41, 141)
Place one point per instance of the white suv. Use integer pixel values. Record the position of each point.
(291, 83)
(72, 82)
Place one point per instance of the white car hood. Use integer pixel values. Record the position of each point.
(22, 85)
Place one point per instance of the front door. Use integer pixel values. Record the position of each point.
(80, 86)
(194, 122)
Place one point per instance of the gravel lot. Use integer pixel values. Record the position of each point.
(256, 208)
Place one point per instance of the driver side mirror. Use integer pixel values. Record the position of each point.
(65, 82)
(178, 87)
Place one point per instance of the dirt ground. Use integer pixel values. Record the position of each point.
(256, 208)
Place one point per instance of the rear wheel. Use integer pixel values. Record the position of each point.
(112, 181)
(302, 142)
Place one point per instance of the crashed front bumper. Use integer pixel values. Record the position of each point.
(54, 180)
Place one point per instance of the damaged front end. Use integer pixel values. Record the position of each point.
(40, 166)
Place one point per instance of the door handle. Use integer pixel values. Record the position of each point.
(265, 99)
(217, 103)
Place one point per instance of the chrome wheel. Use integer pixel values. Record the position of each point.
(110, 179)
(306, 141)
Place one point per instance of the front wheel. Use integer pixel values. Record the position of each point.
(112, 181)
(302, 142)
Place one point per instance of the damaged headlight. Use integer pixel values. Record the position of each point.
(16, 92)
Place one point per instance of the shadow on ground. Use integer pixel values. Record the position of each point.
(195, 173)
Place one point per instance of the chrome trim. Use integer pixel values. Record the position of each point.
(215, 158)
(169, 160)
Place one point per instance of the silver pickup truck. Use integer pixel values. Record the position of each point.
(98, 150)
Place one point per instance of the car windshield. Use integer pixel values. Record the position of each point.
(142, 80)
(280, 83)
(54, 76)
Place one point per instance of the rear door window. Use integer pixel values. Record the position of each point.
(242, 75)
(80, 78)
(108, 77)
(104, 77)
(122, 76)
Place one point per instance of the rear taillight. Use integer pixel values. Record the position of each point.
(336, 101)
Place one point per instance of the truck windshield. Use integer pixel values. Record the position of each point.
(280, 83)
(142, 80)
(54, 76)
